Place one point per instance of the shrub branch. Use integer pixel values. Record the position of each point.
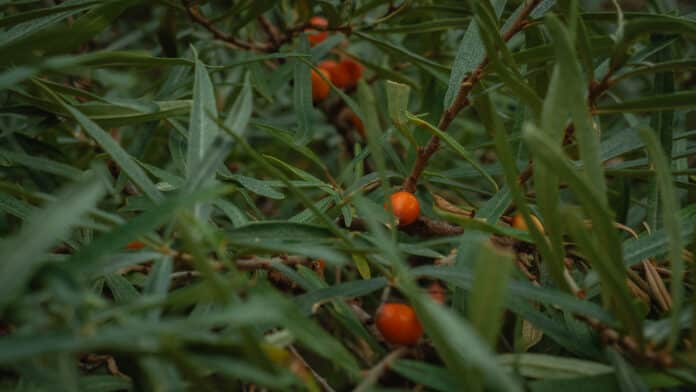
(460, 102)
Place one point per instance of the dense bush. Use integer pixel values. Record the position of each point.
(198, 195)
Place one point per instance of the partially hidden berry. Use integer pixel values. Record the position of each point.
(319, 23)
(518, 222)
(437, 292)
(358, 124)
(320, 87)
(135, 245)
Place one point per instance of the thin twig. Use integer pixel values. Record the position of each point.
(197, 17)
(423, 227)
(461, 101)
(321, 380)
(376, 372)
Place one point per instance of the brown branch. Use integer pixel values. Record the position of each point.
(371, 376)
(627, 344)
(423, 227)
(272, 32)
(461, 101)
(197, 17)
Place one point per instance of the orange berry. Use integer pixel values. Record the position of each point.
(358, 124)
(135, 245)
(437, 292)
(351, 71)
(518, 222)
(405, 207)
(328, 65)
(344, 74)
(398, 324)
(320, 87)
(321, 23)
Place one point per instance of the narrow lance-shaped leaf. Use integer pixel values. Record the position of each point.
(111, 146)
(302, 95)
(241, 110)
(487, 296)
(26, 251)
(397, 102)
(202, 128)
(584, 126)
(469, 55)
(672, 227)
(491, 118)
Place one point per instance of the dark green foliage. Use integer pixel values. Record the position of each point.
(176, 213)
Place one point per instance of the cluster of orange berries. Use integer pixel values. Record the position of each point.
(343, 74)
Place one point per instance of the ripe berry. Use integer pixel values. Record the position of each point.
(518, 222)
(350, 72)
(135, 245)
(320, 23)
(318, 266)
(398, 324)
(358, 124)
(344, 74)
(437, 292)
(405, 207)
(320, 87)
(328, 65)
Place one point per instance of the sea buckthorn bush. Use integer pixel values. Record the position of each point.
(330, 195)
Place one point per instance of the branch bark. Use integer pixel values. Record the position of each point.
(461, 101)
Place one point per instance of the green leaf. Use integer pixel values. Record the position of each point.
(362, 265)
(672, 227)
(75, 7)
(86, 257)
(122, 290)
(494, 208)
(42, 164)
(262, 188)
(423, 373)
(615, 292)
(652, 24)
(302, 95)
(459, 346)
(523, 290)
(486, 299)
(202, 129)
(458, 148)
(433, 68)
(44, 36)
(397, 103)
(627, 377)
(368, 106)
(352, 289)
(15, 206)
(579, 384)
(491, 119)
(117, 153)
(575, 87)
(241, 110)
(42, 230)
(470, 54)
(676, 100)
(544, 366)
